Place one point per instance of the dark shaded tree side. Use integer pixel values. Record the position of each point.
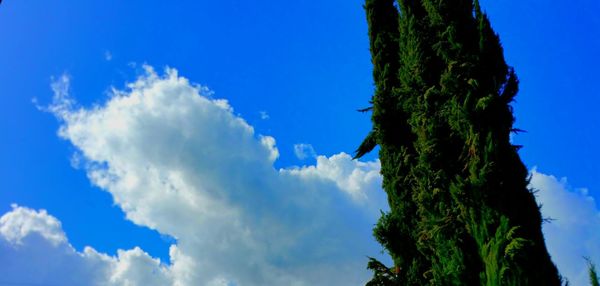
(460, 209)
(593, 275)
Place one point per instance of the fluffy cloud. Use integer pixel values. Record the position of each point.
(179, 161)
(574, 229)
(21, 222)
(358, 179)
(34, 251)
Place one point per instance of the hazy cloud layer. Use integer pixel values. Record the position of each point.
(304, 151)
(264, 115)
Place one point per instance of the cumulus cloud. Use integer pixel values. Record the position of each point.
(303, 151)
(21, 222)
(574, 231)
(358, 179)
(34, 251)
(181, 162)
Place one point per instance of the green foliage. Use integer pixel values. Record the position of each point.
(460, 210)
(592, 273)
(383, 276)
(366, 146)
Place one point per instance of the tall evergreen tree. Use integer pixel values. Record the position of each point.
(592, 273)
(461, 212)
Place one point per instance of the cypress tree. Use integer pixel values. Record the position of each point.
(593, 275)
(461, 212)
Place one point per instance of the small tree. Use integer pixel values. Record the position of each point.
(460, 209)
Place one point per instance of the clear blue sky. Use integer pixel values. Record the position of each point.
(305, 63)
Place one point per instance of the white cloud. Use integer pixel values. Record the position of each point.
(35, 240)
(264, 115)
(361, 180)
(177, 161)
(34, 251)
(21, 222)
(303, 151)
(108, 56)
(574, 231)
(136, 267)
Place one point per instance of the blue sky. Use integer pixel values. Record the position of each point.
(294, 71)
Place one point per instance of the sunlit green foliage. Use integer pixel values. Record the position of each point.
(460, 209)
